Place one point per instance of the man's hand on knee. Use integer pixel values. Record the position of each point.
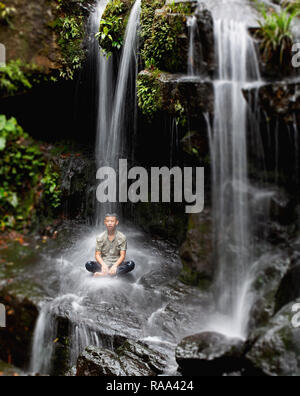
(113, 270)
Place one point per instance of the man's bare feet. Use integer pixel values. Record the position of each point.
(99, 274)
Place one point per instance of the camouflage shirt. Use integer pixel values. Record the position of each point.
(110, 250)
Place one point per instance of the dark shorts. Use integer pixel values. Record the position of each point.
(124, 268)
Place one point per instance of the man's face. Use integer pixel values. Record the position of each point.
(111, 223)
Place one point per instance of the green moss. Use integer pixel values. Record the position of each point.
(147, 16)
(162, 33)
(69, 27)
(193, 278)
(149, 94)
(22, 166)
(179, 8)
(113, 25)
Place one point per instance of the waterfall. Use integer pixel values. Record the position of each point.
(237, 66)
(103, 79)
(196, 66)
(192, 28)
(111, 124)
(111, 139)
(126, 86)
(43, 342)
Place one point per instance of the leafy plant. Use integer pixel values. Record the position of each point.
(22, 165)
(13, 78)
(113, 25)
(149, 94)
(70, 32)
(162, 48)
(6, 13)
(180, 8)
(51, 182)
(275, 32)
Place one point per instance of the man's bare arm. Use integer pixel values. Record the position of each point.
(100, 260)
(114, 268)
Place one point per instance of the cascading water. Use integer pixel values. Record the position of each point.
(126, 85)
(95, 308)
(103, 79)
(111, 131)
(195, 65)
(237, 66)
(192, 26)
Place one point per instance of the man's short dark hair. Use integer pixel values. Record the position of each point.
(111, 215)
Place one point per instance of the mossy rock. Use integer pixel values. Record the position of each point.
(277, 350)
(197, 251)
(113, 25)
(21, 300)
(167, 48)
(182, 99)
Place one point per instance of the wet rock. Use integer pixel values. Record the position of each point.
(272, 63)
(209, 354)
(205, 40)
(77, 171)
(289, 289)
(277, 350)
(170, 25)
(195, 96)
(272, 269)
(21, 299)
(197, 250)
(130, 359)
(142, 355)
(95, 362)
(167, 221)
(278, 100)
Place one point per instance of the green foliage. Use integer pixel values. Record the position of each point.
(147, 16)
(113, 25)
(149, 94)
(70, 32)
(180, 113)
(162, 48)
(275, 32)
(69, 27)
(13, 78)
(51, 182)
(6, 14)
(179, 8)
(18, 76)
(21, 167)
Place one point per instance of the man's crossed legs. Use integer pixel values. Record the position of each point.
(124, 268)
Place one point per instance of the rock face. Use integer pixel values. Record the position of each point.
(208, 354)
(197, 250)
(206, 39)
(20, 299)
(268, 279)
(289, 289)
(34, 32)
(130, 359)
(272, 63)
(31, 39)
(277, 350)
(280, 100)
